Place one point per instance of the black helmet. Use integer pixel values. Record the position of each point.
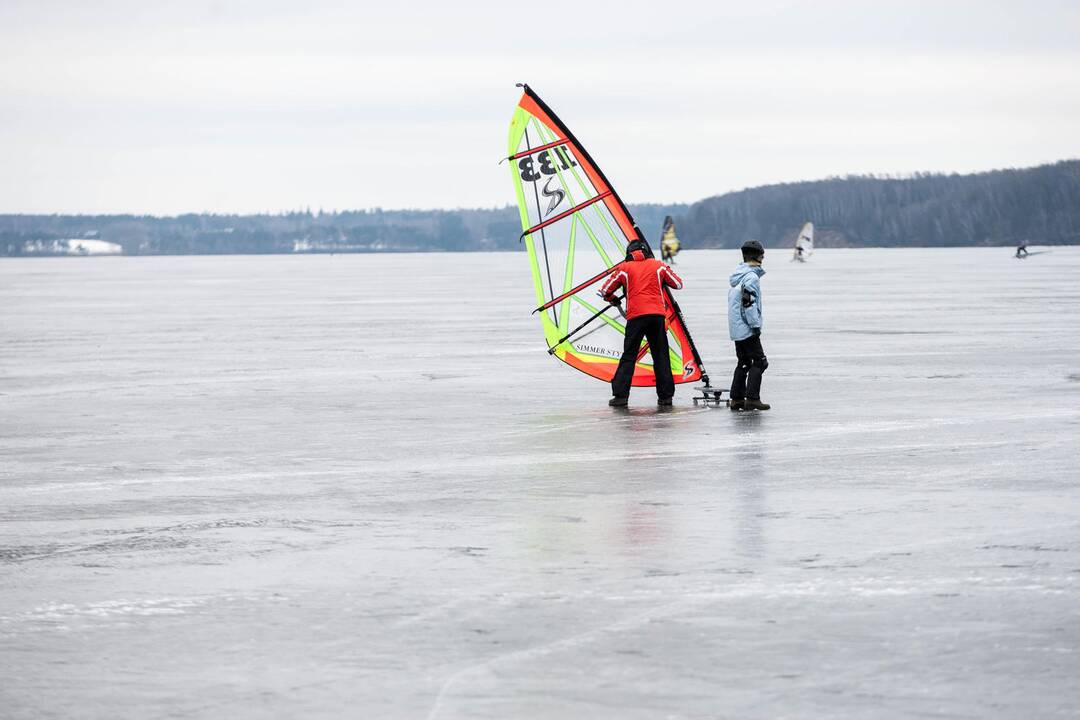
(753, 249)
(640, 246)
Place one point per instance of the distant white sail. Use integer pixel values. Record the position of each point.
(804, 245)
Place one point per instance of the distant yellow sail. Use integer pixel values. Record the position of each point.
(669, 242)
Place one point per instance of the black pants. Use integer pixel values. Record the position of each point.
(650, 327)
(752, 362)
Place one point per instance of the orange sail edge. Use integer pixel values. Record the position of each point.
(643, 376)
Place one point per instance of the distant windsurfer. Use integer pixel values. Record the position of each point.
(804, 243)
(744, 326)
(644, 278)
(669, 241)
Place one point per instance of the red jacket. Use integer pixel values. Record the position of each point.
(644, 279)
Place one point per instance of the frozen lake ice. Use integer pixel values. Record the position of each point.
(357, 486)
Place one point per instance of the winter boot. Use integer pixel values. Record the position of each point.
(664, 402)
(735, 404)
(619, 402)
(756, 404)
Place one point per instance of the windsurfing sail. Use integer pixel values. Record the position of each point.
(669, 242)
(804, 244)
(575, 227)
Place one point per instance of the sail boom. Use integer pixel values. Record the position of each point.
(573, 291)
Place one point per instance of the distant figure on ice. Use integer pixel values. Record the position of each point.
(804, 244)
(1021, 251)
(669, 242)
(644, 278)
(744, 326)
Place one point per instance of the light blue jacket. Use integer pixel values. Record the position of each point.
(743, 321)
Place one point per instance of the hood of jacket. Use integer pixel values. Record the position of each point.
(741, 270)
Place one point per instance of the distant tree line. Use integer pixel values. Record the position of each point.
(304, 231)
(1002, 207)
(1041, 205)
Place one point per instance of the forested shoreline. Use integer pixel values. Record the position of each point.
(1001, 207)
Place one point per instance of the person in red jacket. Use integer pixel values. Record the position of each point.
(644, 278)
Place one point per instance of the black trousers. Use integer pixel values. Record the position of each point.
(650, 327)
(752, 362)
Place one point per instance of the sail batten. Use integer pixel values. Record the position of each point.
(565, 214)
(538, 149)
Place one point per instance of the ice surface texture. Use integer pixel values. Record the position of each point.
(357, 486)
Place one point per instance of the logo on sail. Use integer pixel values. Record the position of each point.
(556, 196)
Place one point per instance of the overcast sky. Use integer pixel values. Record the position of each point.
(264, 106)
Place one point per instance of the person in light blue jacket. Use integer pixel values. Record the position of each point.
(744, 325)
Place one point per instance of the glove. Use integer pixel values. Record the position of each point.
(755, 331)
(612, 299)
